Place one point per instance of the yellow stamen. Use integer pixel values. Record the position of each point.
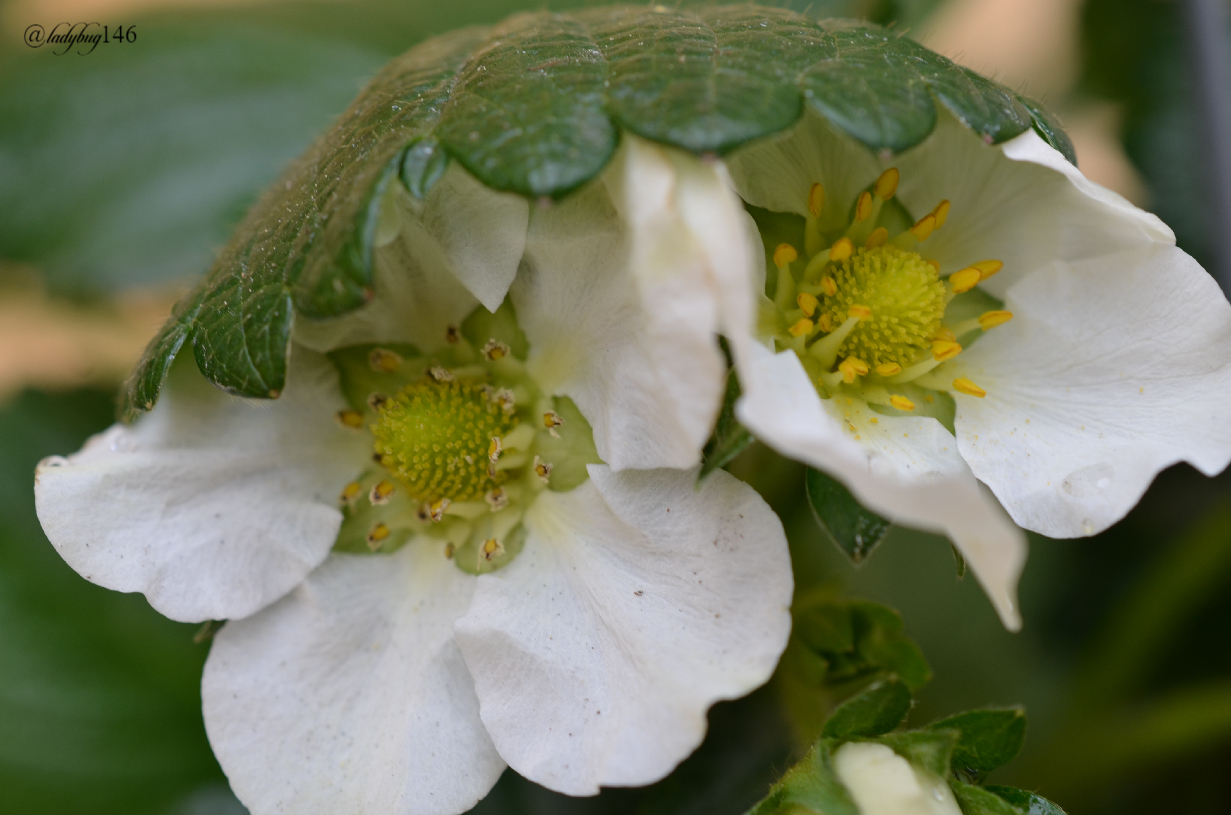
(492, 548)
(829, 285)
(807, 303)
(802, 328)
(879, 237)
(943, 350)
(542, 469)
(924, 227)
(888, 368)
(453, 335)
(863, 207)
(495, 350)
(964, 385)
(350, 418)
(495, 449)
(816, 200)
(384, 361)
(987, 268)
(935, 264)
(377, 536)
(862, 312)
(841, 250)
(784, 254)
(852, 367)
(351, 491)
(887, 184)
(552, 420)
(450, 549)
(942, 213)
(990, 319)
(965, 280)
(945, 334)
(901, 402)
(826, 323)
(381, 492)
(437, 511)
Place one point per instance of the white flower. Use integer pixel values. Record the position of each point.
(883, 783)
(486, 591)
(1105, 360)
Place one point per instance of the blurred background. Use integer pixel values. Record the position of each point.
(123, 171)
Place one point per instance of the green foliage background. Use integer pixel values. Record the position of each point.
(130, 166)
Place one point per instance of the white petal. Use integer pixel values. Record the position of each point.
(637, 602)
(350, 695)
(618, 303)
(460, 247)
(921, 485)
(777, 173)
(884, 783)
(210, 505)
(1021, 203)
(1111, 369)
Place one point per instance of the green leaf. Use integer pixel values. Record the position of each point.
(989, 738)
(855, 530)
(878, 709)
(730, 437)
(534, 106)
(810, 784)
(1027, 802)
(979, 801)
(929, 749)
(880, 642)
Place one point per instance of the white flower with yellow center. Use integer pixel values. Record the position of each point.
(964, 313)
(469, 583)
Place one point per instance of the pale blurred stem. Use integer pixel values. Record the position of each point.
(1105, 733)
(1210, 48)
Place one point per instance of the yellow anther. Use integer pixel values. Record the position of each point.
(829, 286)
(378, 402)
(351, 491)
(826, 323)
(350, 418)
(965, 280)
(802, 328)
(944, 349)
(816, 200)
(990, 319)
(542, 469)
(852, 367)
(862, 312)
(453, 335)
(807, 303)
(552, 420)
(901, 402)
(495, 449)
(437, 510)
(384, 361)
(964, 385)
(924, 227)
(492, 548)
(888, 368)
(887, 184)
(784, 254)
(942, 213)
(497, 499)
(377, 536)
(935, 264)
(440, 374)
(495, 350)
(987, 268)
(450, 549)
(381, 492)
(944, 333)
(841, 250)
(879, 237)
(863, 207)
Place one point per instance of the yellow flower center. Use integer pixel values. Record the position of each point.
(435, 439)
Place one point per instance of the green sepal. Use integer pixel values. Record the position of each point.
(988, 738)
(535, 106)
(855, 530)
(1027, 802)
(359, 380)
(928, 749)
(876, 710)
(858, 642)
(500, 325)
(730, 437)
(810, 785)
(980, 801)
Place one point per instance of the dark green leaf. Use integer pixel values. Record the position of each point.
(1027, 802)
(533, 106)
(810, 784)
(878, 709)
(730, 437)
(854, 529)
(1048, 127)
(989, 738)
(929, 749)
(979, 801)
(880, 642)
